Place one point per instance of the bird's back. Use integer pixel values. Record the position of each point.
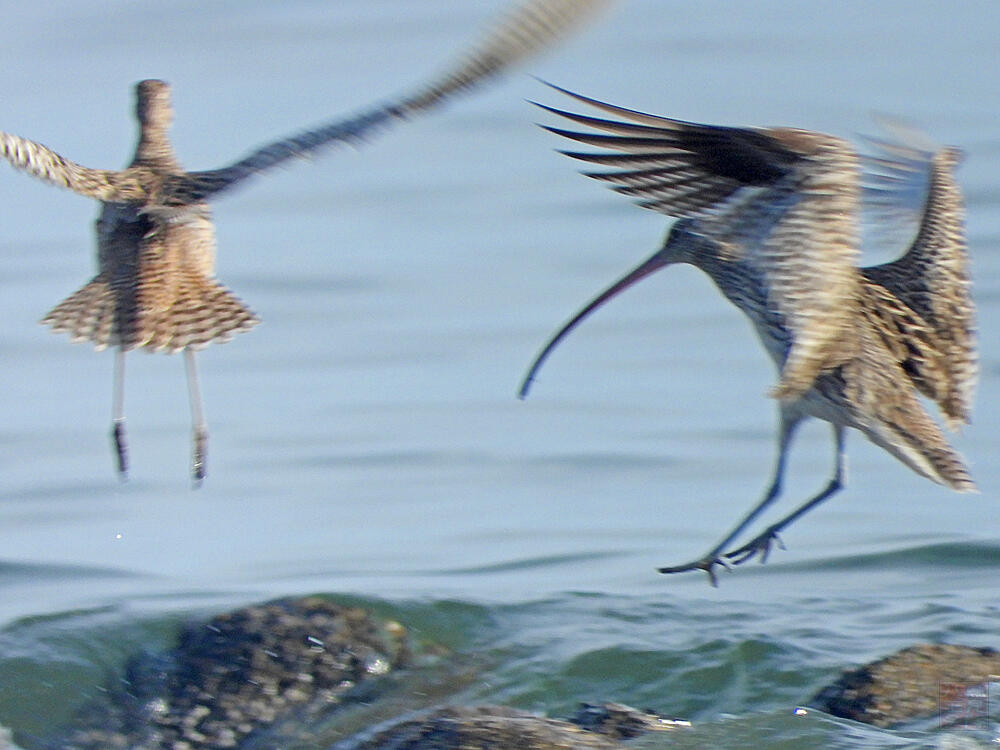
(155, 287)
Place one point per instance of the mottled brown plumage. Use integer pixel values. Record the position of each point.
(155, 287)
(772, 216)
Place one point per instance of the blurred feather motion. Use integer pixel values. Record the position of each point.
(155, 288)
(772, 215)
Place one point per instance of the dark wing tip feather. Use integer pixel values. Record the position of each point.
(668, 129)
(629, 114)
(594, 102)
(626, 143)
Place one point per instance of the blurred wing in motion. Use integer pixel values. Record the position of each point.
(45, 164)
(527, 30)
(895, 181)
(932, 277)
(524, 32)
(785, 200)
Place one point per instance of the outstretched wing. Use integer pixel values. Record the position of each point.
(781, 199)
(932, 277)
(45, 164)
(895, 180)
(526, 31)
(675, 167)
(189, 188)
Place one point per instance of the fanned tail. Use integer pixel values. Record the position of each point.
(87, 315)
(201, 311)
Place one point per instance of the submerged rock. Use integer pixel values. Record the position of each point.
(918, 682)
(595, 727)
(274, 675)
(243, 673)
(620, 721)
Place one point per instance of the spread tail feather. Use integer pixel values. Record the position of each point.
(87, 315)
(201, 311)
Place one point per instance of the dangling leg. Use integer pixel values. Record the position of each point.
(118, 415)
(199, 426)
(761, 545)
(789, 421)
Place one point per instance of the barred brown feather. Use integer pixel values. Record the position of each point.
(778, 208)
(203, 312)
(156, 287)
(87, 315)
(932, 278)
(771, 215)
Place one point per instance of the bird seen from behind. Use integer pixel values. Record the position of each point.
(155, 287)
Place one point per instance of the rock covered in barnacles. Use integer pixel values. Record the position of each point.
(595, 727)
(243, 672)
(917, 682)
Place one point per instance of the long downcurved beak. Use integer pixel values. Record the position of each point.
(655, 262)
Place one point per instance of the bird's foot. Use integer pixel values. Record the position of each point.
(120, 444)
(707, 564)
(198, 467)
(759, 545)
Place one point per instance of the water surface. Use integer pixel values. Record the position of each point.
(366, 441)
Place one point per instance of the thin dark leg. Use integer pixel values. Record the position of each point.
(118, 415)
(786, 431)
(199, 425)
(761, 545)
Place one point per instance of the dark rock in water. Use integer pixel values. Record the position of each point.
(274, 675)
(620, 721)
(241, 674)
(502, 728)
(918, 682)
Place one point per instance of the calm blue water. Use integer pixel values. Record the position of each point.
(366, 441)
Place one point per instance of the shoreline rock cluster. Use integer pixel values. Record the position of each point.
(262, 675)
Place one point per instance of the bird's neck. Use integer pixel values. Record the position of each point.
(154, 148)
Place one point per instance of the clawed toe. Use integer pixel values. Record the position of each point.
(707, 564)
(760, 545)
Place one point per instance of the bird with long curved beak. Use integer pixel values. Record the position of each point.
(772, 216)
